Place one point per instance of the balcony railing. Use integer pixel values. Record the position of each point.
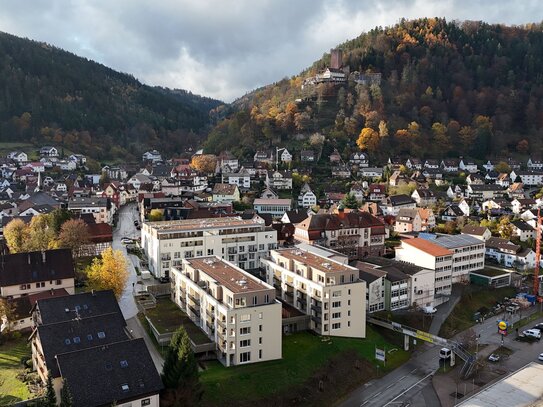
(193, 298)
(221, 322)
(316, 319)
(194, 310)
(316, 307)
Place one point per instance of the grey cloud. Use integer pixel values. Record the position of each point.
(225, 48)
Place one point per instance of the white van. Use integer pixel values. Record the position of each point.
(445, 353)
(534, 333)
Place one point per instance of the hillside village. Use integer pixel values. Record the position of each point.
(395, 235)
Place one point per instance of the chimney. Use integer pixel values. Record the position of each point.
(341, 212)
(43, 259)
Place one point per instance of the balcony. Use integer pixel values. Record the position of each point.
(193, 298)
(316, 307)
(221, 332)
(221, 322)
(194, 310)
(316, 319)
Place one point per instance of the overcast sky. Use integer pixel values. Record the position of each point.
(225, 48)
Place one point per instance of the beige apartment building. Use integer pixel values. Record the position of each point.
(329, 291)
(237, 311)
(242, 242)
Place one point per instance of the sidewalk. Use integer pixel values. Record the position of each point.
(138, 331)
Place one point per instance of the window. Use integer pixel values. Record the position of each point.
(89, 337)
(244, 343)
(245, 357)
(260, 354)
(336, 304)
(124, 364)
(336, 315)
(59, 282)
(210, 252)
(101, 335)
(40, 284)
(241, 302)
(255, 300)
(266, 298)
(260, 340)
(146, 402)
(260, 328)
(337, 325)
(125, 387)
(336, 294)
(260, 316)
(67, 341)
(245, 317)
(77, 339)
(245, 330)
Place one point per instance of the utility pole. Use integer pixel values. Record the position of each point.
(537, 253)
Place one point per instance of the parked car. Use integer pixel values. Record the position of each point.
(534, 333)
(429, 310)
(164, 280)
(126, 240)
(539, 327)
(540, 357)
(494, 357)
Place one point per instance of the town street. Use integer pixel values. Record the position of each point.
(125, 228)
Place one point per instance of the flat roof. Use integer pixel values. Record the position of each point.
(203, 223)
(228, 275)
(455, 241)
(522, 388)
(317, 262)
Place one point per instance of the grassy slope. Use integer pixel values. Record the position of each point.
(11, 389)
(303, 355)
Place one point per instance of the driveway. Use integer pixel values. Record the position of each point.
(125, 228)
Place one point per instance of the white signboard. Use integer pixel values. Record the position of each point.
(380, 354)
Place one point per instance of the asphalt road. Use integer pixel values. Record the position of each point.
(125, 228)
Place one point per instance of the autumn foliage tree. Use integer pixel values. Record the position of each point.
(368, 140)
(109, 272)
(74, 233)
(16, 234)
(205, 163)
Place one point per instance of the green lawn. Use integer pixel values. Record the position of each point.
(473, 299)
(304, 355)
(11, 388)
(167, 317)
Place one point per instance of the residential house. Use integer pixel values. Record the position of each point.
(414, 163)
(516, 190)
(18, 156)
(335, 157)
(434, 174)
(528, 178)
(408, 220)
(307, 156)
(279, 180)
(139, 179)
(530, 216)
(456, 191)
(23, 274)
(491, 176)
(489, 165)
(475, 179)
(376, 192)
(226, 193)
(449, 165)
(431, 164)
(227, 159)
(306, 198)
(424, 197)
(508, 254)
(357, 191)
(115, 172)
(428, 219)
(535, 164)
(285, 157)
(376, 280)
(236, 310)
(101, 208)
(276, 207)
(269, 193)
(166, 243)
(396, 202)
(523, 230)
(36, 167)
(153, 156)
(264, 157)
(79, 159)
(100, 238)
(242, 179)
(360, 159)
(520, 205)
(329, 291)
(341, 171)
(49, 151)
(294, 217)
(468, 165)
(82, 336)
(370, 172)
(478, 232)
(503, 180)
(485, 191)
(355, 234)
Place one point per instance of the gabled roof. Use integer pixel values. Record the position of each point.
(102, 375)
(297, 215)
(523, 226)
(27, 268)
(474, 230)
(396, 200)
(224, 189)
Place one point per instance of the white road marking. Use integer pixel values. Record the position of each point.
(409, 388)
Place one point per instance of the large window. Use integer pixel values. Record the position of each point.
(245, 357)
(244, 343)
(245, 330)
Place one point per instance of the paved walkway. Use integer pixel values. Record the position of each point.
(138, 331)
(444, 310)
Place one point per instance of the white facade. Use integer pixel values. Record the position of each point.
(307, 199)
(330, 292)
(242, 179)
(275, 207)
(235, 309)
(242, 242)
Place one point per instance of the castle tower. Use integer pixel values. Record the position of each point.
(336, 59)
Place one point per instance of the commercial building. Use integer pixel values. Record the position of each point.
(275, 207)
(329, 291)
(242, 242)
(237, 311)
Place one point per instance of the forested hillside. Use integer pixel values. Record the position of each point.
(447, 88)
(48, 95)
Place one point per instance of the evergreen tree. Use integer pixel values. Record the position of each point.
(350, 202)
(180, 372)
(50, 399)
(65, 395)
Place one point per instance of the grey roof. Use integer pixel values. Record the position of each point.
(77, 203)
(520, 224)
(396, 200)
(118, 372)
(79, 333)
(454, 241)
(53, 310)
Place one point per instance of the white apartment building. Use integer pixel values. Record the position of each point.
(329, 291)
(430, 256)
(236, 310)
(242, 242)
(101, 208)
